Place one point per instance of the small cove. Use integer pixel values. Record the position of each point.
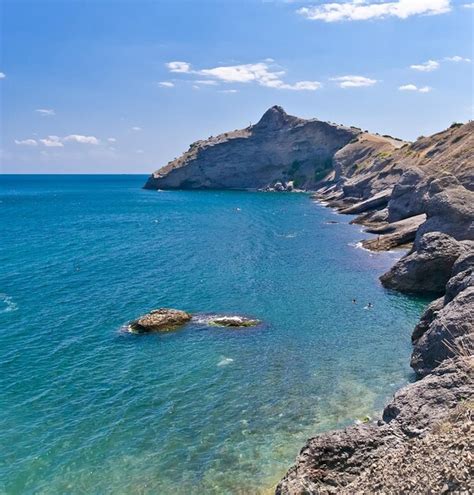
(86, 408)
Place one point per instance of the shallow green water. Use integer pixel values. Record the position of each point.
(87, 408)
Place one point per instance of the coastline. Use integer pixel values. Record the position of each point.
(416, 196)
(359, 458)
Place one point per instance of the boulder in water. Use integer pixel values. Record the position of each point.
(160, 320)
(233, 321)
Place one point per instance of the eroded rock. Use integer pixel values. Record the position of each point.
(449, 210)
(450, 333)
(395, 234)
(160, 320)
(339, 461)
(428, 268)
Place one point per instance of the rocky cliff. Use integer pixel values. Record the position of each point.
(419, 196)
(279, 148)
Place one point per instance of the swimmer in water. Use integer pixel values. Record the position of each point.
(354, 301)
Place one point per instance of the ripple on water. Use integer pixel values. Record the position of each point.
(7, 304)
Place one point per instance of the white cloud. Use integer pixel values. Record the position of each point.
(111, 140)
(413, 87)
(52, 142)
(58, 142)
(166, 84)
(303, 85)
(136, 128)
(26, 142)
(243, 73)
(229, 91)
(206, 82)
(468, 5)
(428, 66)
(362, 10)
(2, 75)
(183, 67)
(78, 138)
(457, 59)
(140, 152)
(45, 112)
(354, 81)
(261, 73)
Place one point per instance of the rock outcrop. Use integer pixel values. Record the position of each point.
(160, 320)
(449, 207)
(451, 332)
(392, 235)
(340, 461)
(428, 268)
(278, 149)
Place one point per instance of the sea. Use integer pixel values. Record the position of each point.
(86, 407)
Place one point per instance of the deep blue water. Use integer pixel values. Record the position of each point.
(87, 408)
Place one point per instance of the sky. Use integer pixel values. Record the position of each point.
(124, 86)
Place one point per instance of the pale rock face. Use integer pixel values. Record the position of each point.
(279, 148)
(449, 209)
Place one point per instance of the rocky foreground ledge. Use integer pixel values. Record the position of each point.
(417, 196)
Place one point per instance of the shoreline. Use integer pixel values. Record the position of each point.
(415, 196)
(354, 458)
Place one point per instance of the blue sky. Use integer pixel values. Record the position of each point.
(115, 86)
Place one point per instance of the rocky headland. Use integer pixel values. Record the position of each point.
(417, 196)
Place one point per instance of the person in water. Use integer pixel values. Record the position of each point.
(354, 301)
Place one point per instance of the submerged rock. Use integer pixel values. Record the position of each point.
(233, 321)
(160, 320)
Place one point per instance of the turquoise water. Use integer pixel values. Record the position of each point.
(87, 408)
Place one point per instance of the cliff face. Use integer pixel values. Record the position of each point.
(423, 194)
(279, 148)
(366, 167)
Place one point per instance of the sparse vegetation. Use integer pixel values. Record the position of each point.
(322, 167)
